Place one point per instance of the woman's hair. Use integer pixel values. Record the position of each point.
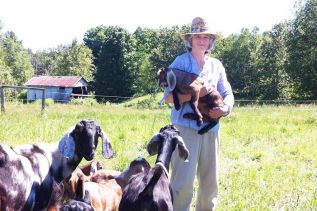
(188, 43)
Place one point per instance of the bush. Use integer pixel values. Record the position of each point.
(83, 101)
(48, 102)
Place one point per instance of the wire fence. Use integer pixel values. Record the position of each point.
(15, 96)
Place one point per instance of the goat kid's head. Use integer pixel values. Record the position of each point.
(167, 139)
(166, 78)
(86, 134)
(138, 165)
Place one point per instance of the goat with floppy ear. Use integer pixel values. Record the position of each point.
(178, 81)
(152, 190)
(27, 172)
(165, 142)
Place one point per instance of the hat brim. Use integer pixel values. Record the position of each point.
(187, 35)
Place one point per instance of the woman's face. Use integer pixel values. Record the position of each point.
(200, 42)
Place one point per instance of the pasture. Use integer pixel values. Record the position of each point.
(268, 153)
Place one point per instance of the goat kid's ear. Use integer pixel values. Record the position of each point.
(107, 151)
(171, 80)
(182, 150)
(152, 146)
(93, 168)
(86, 197)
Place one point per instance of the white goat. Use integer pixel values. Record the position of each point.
(27, 171)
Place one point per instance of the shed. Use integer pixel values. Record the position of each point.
(58, 88)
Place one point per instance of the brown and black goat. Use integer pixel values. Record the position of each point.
(105, 187)
(178, 81)
(151, 191)
(80, 202)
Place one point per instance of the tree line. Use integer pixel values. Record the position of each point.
(274, 65)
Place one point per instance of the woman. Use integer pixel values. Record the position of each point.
(203, 149)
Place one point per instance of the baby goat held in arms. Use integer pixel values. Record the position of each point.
(151, 191)
(178, 81)
(212, 100)
(27, 172)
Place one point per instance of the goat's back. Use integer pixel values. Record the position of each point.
(23, 172)
(105, 195)
(186, 81)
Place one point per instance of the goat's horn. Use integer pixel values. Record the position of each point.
(106, 146)
(182, 150)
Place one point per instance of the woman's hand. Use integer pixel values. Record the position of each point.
(218, 112)
(204, 90)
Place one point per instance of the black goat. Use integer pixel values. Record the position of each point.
(151, 191)
(27, 172)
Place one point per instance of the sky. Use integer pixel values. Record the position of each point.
(45, 24)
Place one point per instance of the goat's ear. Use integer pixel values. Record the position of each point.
(80, 187)
(66, 146)
(86, 197)
(152, 146)
(107, 151)
(159, 71)
(171, 80)
(93, 168)
(182, 150)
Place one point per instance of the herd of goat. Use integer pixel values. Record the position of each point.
(47, 176)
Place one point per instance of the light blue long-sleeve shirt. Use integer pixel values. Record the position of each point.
(213, 75)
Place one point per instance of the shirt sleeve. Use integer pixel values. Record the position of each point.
(225, 89)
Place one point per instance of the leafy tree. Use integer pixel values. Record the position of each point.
(113, 50)
(272, 80)
(43, 62)
(17, 59)
(75, 59)
(5, 72)
(302, 50)
(237, 53)
(146, 41)
(168, 45)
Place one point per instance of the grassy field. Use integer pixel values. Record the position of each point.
(268, 153)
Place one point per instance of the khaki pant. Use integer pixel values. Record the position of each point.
(203, 157)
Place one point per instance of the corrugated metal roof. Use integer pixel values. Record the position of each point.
(59, 81)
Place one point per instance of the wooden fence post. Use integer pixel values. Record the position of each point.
(2, 98)
(43, 100)
(2, 95)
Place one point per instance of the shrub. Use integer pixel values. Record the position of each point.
(83, 101)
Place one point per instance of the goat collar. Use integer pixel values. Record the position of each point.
(159, 163)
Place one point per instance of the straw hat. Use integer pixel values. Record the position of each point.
(199, 26)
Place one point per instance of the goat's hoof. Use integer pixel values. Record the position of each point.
(177, 107)
(199, 122)
(201, 132)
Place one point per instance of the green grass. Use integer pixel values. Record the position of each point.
(267, 158)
